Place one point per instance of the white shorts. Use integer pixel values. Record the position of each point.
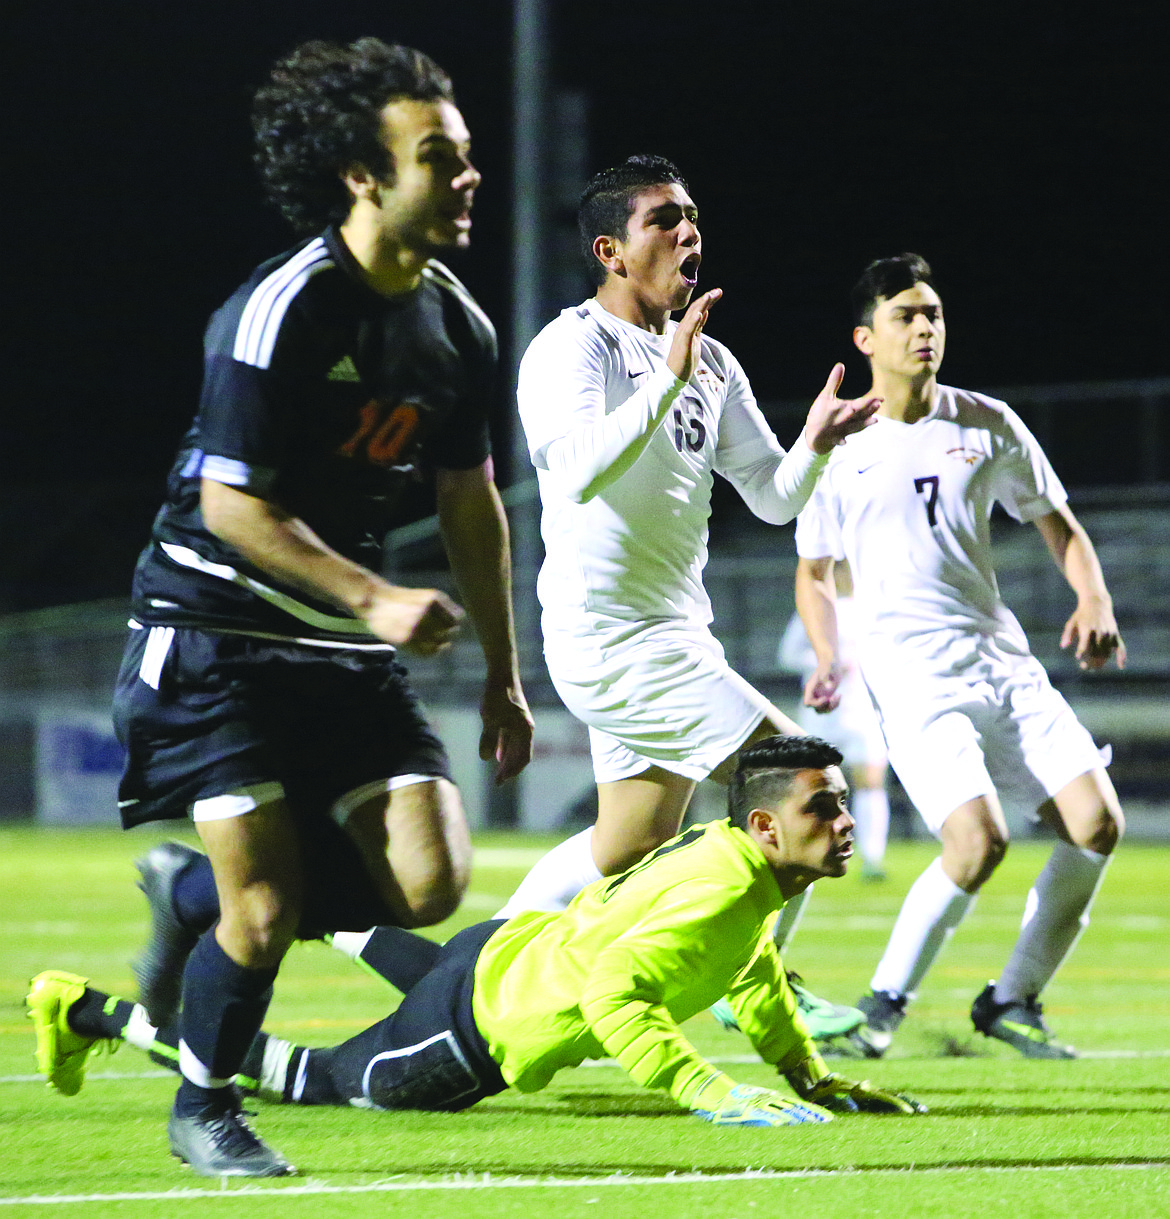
(853, 727)
(989, 721)
(657, 694)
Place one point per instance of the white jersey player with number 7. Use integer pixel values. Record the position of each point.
(628, 415)
(971, 720)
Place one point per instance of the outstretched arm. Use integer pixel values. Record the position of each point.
(816, 602)
(1092, 629)
(624, 1006)
(475, 535)
(776, 485)
(765, 1009)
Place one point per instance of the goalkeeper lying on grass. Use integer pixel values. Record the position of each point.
(509, 1003)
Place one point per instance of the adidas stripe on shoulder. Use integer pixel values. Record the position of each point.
(265, 309)
(439, 273)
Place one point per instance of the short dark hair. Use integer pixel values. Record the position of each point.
(765, 772)
(610, 197)
(321, 112)
(886, 277)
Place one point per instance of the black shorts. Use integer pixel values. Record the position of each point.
(203, 714)
(428, 1054)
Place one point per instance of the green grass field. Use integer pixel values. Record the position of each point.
(1003, 1137)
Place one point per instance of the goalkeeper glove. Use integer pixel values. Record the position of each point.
(811, 1081)
(748, 1106)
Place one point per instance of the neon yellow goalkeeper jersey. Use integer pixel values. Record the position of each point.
(632, 957)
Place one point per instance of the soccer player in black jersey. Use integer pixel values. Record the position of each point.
(259, 691)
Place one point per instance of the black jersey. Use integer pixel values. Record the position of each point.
(326, 398)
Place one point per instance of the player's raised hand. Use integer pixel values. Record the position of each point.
(683, 357)
(822, 690)
(419, 620)
(507, 730)
(1092, 630)
(831, 419)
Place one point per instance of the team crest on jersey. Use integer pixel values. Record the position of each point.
(708, 374)
(970, 456)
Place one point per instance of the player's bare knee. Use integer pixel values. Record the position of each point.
(260, 923)
(971, 858)
(1101, 832)
(434, 900)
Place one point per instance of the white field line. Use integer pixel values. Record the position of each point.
(487, 1181)
(718, 1060)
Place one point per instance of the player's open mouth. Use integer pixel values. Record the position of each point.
(690, 269)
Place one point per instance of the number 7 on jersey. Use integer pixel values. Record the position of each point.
(921, 485)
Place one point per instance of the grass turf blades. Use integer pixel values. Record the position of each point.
(1004, 1135)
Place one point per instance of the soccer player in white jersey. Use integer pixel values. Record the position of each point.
(627, 416)
(971, 721)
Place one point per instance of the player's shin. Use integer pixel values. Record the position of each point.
(223, 1008)
(1055, 915)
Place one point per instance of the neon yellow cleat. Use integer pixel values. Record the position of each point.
(61, 1053)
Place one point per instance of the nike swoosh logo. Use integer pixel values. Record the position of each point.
(639, 372)
(871, 465)
(1025, 1030)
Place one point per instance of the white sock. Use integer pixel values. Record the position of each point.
(1055, 914)
(556, 878)
(351, 943)
(274, 1068)
(871, 811)
(933, 908)
(139, 1032)
(786, 924)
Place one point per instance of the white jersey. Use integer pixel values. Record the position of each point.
(624, 454)
(909, 506)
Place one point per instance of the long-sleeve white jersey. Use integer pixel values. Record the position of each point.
(909, 505)
(624, 453)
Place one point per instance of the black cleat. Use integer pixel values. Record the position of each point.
(159, 968)
(1020, 1025)
(220, 1143)
(883, 1013)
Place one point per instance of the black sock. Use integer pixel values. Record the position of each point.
(195, 896)
(97, 1014)
(400, 956)
(315, 1070)
(223, 1008)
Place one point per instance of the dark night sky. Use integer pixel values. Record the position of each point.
(1024, 155)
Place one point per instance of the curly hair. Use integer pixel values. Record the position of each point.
(320, 113)
(610, 197)
(765, 771)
